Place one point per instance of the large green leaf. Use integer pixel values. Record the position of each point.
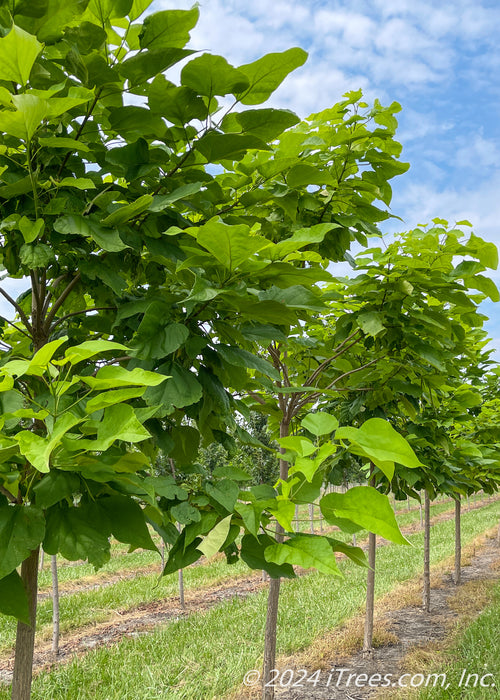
(252, 553)
(127, 211)
(76, 225)
(230, 245)
(21, 530)
(267, 73)
(212, 75)
(109, 398)
(153, 339)
(182, 555)
(88, 349)
(366, 507)
(127, 522)
(224, 492)
(18, 52)
(13, 598)
(54, 487)
(301, 445)
(377, 440)
(169, 28)
(119, 423)
(266, 124)
(78, 533)
(307, 552)
(115, 377)
(182, 389)
(143, 66)
(243, 358)
(38, 449)
(371, 322)
(320, 423)
(215, 538)
(177, 104)
(216, 147)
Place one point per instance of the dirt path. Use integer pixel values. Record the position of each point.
(408, 629)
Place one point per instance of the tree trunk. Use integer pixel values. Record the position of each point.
(55, 605)
(162, 554)
(427, 552)
(370, 586)
(181, 589)
(458, 542)
(42, 557)
(421, 513)
(273, 598)
(408, 507)
(311, 517)
(25, 638)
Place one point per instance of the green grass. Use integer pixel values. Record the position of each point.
(206, 655)
(478, 652)
(87, 607)
(93, 606)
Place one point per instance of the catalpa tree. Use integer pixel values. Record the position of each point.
(152, 281)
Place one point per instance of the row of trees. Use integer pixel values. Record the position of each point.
(179, 255)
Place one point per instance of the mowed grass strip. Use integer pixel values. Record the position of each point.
(87, 607)
(206, 655)
(473, 666)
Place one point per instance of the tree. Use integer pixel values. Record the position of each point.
(155, 283)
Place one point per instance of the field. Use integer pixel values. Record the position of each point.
(124, 634)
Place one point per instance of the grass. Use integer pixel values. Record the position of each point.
(94, 606)
(475, 652)
(206, 655)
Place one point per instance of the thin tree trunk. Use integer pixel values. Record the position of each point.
(427, 551)
(42, 557)
(421, 513)
(354, 539)
(458, 542)
(320, 521)
(162, 554)
(181, 588)
(180, 574)
(408, 503)
(370, 585)
(25, 638)
(273, 599)
(55, 605)
(311, 517)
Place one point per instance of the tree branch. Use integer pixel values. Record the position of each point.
(340, 350)
(8, 494)
(83, 311)
(80, 130)
(21, 313)
(60, 301)
(315, 396)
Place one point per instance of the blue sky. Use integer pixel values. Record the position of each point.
(440, 61)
